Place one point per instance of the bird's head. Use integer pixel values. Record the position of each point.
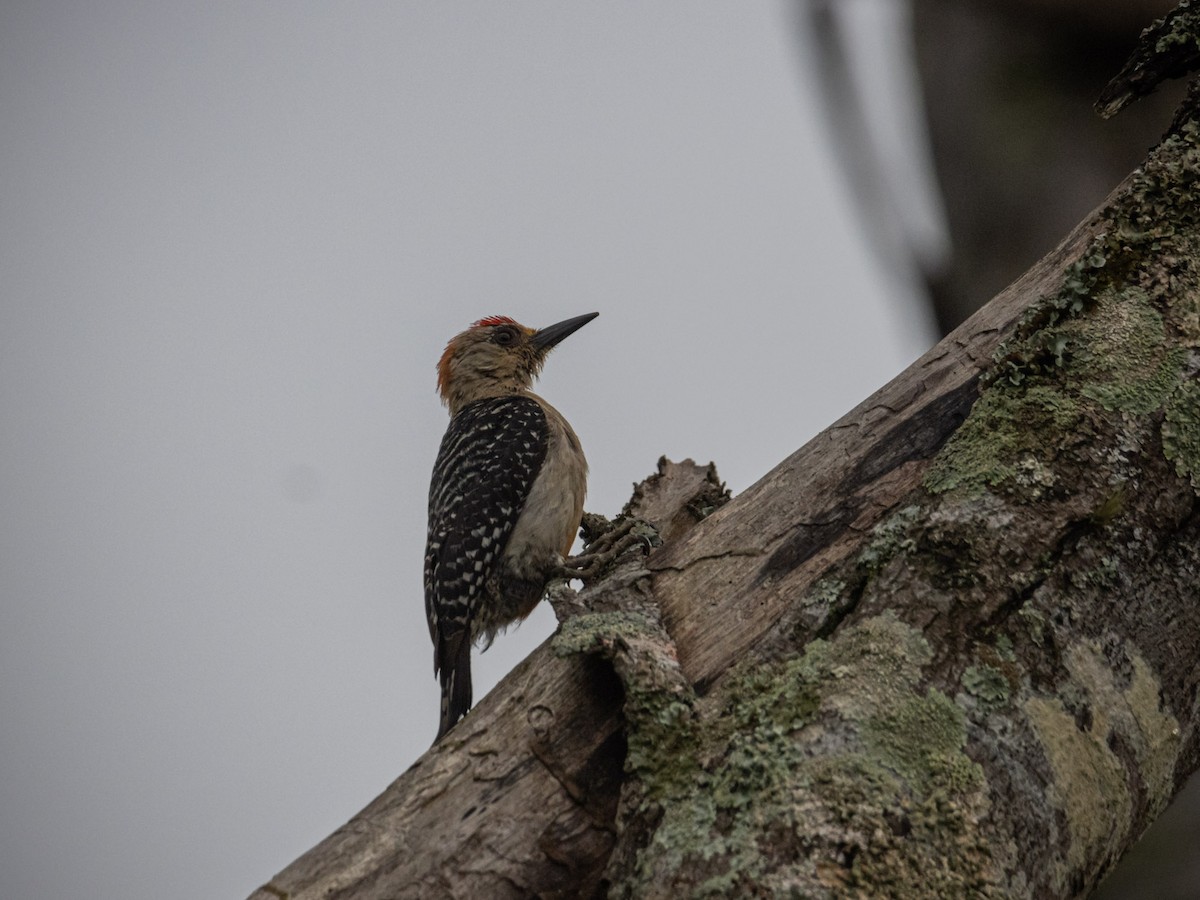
(497, 356)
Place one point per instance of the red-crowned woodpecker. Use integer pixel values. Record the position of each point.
(506, 497)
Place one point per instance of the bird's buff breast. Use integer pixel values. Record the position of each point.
(557, 496)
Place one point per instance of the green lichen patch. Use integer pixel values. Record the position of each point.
(1183, 302)
(1036, 348)
(1033, 476)
(591, 632)
(1007, 428)
(960, 867)
(888, 538)
(1090, 785)
(827, 601)
(988, 685)
(906, 803)
(658, 705)
(1115, 356)
(1113, 338)
(661, 746)
(820, 607)
(712, 813)
(1124, 362)
(1133, 711)
(1181, 432)
(921, 739)
(899, 802)
(1163, 199)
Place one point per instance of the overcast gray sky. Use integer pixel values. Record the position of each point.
(235, 239)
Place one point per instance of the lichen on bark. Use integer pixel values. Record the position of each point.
(1181, 432)
(753, 792)
(1090, 785)
(1119, 336)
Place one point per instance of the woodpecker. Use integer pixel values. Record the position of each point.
(506, 497)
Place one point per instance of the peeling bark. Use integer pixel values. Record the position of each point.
(949, 648)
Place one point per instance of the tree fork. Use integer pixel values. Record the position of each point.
(948, 648)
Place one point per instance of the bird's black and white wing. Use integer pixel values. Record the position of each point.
(486, 465)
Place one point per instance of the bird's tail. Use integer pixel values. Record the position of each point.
(456, 681)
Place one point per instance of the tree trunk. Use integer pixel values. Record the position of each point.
(949, 648)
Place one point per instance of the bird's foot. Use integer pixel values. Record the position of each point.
(604, 542)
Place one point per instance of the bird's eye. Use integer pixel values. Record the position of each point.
(504, 337)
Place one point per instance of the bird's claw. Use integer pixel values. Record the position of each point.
(609, 542)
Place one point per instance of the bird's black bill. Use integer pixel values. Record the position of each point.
(545, 338)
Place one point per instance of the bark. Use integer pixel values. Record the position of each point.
(949, 648)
